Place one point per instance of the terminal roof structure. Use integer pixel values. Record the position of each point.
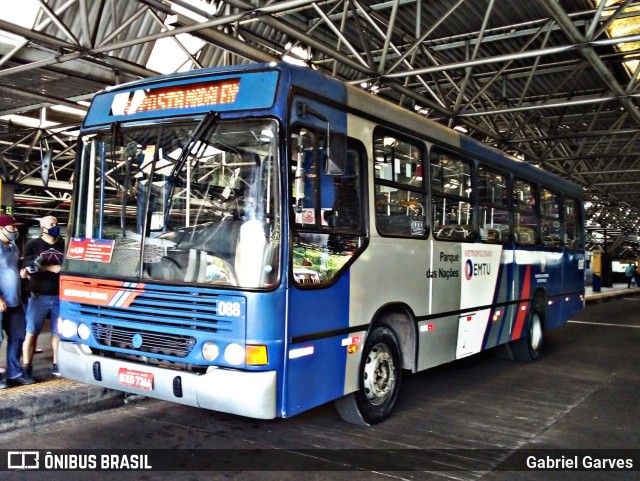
(553, 82)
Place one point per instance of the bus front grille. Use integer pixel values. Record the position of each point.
(166, 344)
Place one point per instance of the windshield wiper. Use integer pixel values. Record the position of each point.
(207, 122)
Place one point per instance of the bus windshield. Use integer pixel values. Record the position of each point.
(187, 202)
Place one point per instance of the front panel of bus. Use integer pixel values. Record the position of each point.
(171, 285)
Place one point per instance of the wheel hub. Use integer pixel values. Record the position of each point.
(536, 333)
(379, 374)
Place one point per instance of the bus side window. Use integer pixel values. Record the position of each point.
(493, 200)
(525, 219)
(400, 194)
(572, 237)
(452, 210)
(327, 210)
(550, 216)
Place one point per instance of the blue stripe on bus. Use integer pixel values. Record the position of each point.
(489, 337)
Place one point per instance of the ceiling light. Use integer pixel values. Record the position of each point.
(29, 121)
(69, 110)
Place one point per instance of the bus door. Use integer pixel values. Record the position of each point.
(327, 223)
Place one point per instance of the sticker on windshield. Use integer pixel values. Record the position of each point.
(93, 250)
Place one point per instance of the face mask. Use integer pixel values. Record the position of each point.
(54, 231)
(12, 236)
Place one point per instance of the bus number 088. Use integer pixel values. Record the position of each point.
(229, 309)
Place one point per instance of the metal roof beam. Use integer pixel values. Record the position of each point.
(557, 12)
(49, 99)
(515, 56)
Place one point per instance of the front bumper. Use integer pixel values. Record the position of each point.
(251, 394)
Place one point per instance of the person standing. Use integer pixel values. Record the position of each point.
(11, 309)
(630, 272)
(45, 254)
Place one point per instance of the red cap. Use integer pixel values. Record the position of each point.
(7, 220)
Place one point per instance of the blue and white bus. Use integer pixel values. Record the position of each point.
(263, 239)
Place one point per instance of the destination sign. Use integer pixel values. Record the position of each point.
(186, 96)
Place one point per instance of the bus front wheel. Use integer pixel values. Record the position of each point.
(379, 381)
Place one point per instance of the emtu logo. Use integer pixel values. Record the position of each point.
(468, 269)
(479, 269)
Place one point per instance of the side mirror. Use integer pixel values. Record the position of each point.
(336, 158)
(336, 149)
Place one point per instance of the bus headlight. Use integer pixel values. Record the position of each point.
(68, 328)
(234, 354)
(83, 331)
(210, 350)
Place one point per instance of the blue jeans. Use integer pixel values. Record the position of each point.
(13, 325)
(39, 308)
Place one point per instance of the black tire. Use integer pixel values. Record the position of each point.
(504, 351)
(379, 381)
(528, 347)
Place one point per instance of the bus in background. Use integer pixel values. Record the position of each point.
(263, 239)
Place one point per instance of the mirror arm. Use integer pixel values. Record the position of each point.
(304, 109)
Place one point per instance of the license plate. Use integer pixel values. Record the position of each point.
(138, 379)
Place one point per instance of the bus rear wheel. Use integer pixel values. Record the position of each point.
(528, 347)
(379, 381)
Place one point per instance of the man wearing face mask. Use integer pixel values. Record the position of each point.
(44, 276)
(11, 310)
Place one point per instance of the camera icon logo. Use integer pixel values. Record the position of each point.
(23, 460)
